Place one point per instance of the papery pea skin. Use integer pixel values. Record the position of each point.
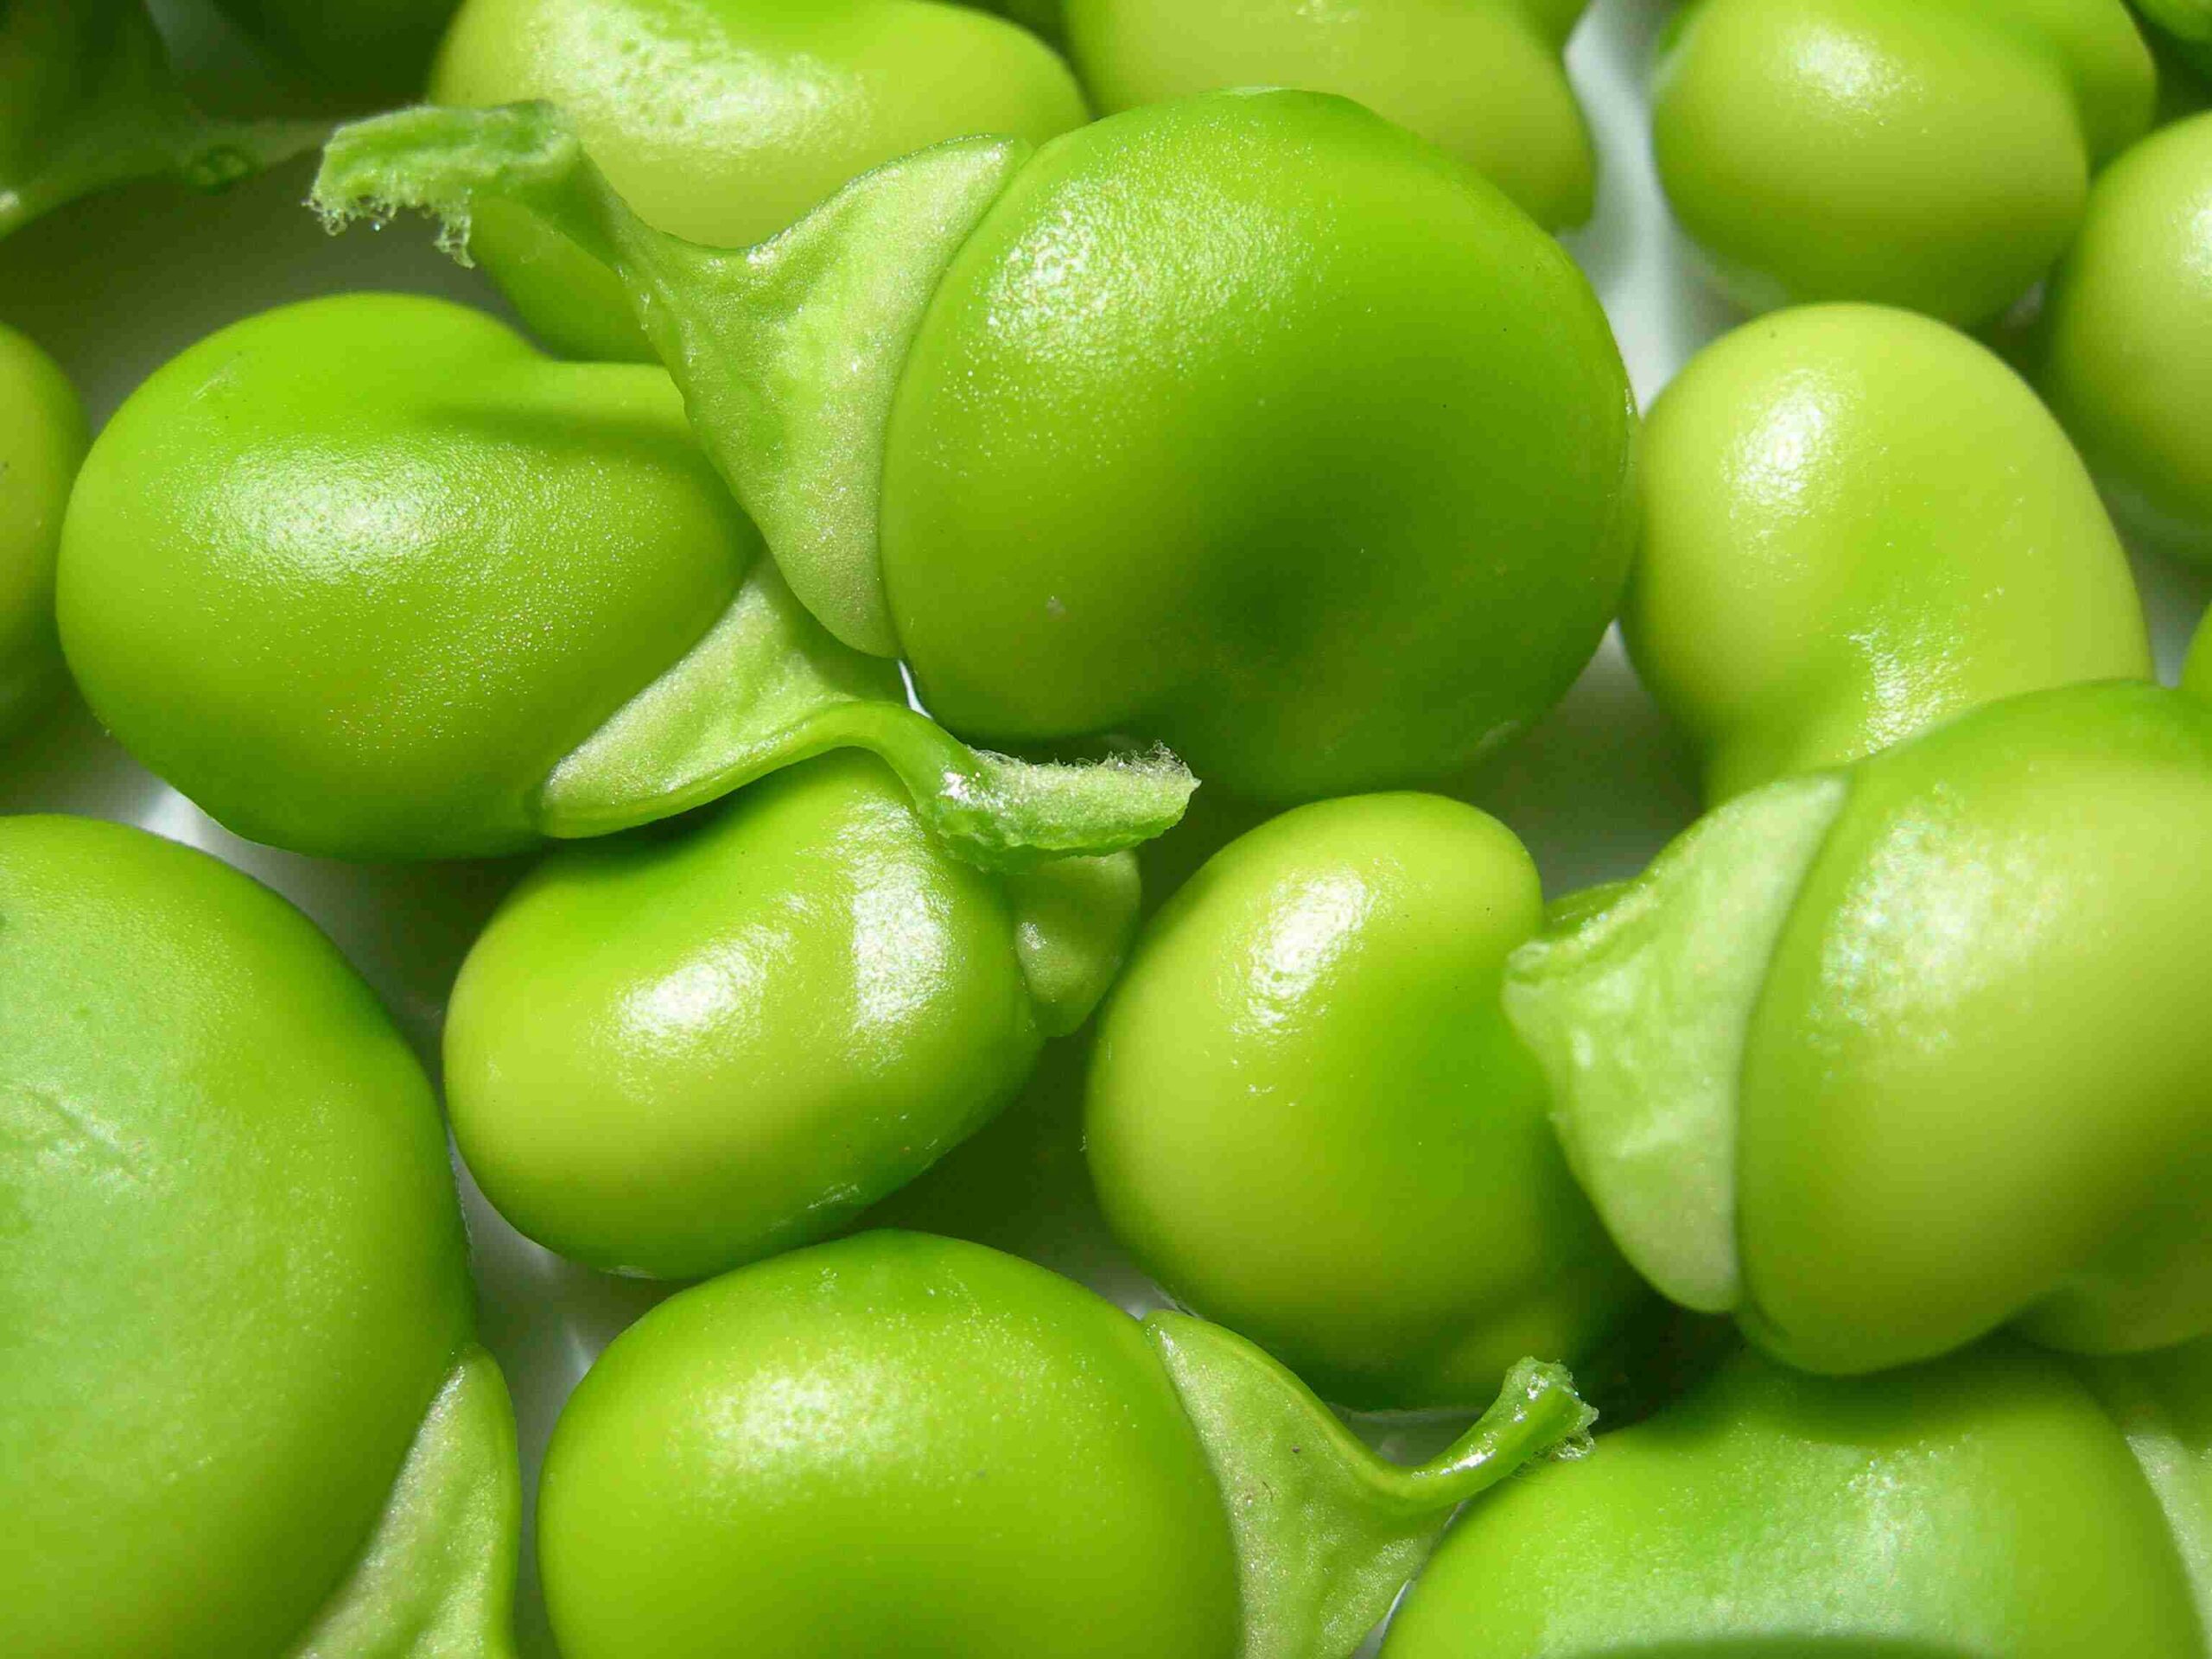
(1483, 81)
(42, 439)
(723, 122)
(1929, 154)
(1857, 523)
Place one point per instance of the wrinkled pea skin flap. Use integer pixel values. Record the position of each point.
(1884, 1059)
(87, 101)
(1308, 1119)
(1929, 154)
(2127, 337)
(241, 1408)
(41, 441)
(769, 107)
(900, 1444)
(671, 1055)
(1999, 1504)
(1133, 432)
(1856, 524)
(369, 577)
(1484, 81)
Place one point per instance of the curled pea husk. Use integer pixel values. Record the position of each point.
(41, 441)
(1308, 1119)
(673, 1053)
(898, 1443)
(1125, 434)
(370, 577)
(88, 100)
(1929, 154)
(1484, 81)
(784, 101)
(2002, 1503)
(1856, 524)
(242, 1409)
(2127, 337)
(1884, 1059)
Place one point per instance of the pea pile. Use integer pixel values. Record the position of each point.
(923, 665)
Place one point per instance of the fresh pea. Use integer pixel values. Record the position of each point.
(241, 1408)
(1991, 1504)
(897, 1444)
(673, 1055)
(2187, 23)
(368, 577)
(88, 100)
(1857, 523)
(1248, 423)
(725, 121)
(41, 441)
(1309, 1120)
(2128, 337)
(1482, 80)
(1929, 154)
(1882, 1060)
(377, 48)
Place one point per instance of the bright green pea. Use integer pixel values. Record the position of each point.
(1309, 1120)
(378, 48)
(751, 113)
(1929, 154)
(41, 441)
(1482, 80)
(241, 1412)
(369, 576)
(673, 1054)
(1857, 523)
(1990, 1506)
(88, 100)
(1248, 422)
(2128, 337)
(898, 1445)
(1884, 1059)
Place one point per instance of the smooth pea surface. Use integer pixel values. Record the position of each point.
(1254, 424)
(725, 120)
(41, 441)
(234, 1276)
(1309, 1120)
(1857, 523)
(1481, 79)
(2128, 363)
(679, 1052)
(890, 1446)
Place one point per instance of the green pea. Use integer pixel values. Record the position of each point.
(380, 49)
(369, 577)
(2128, 337)
(1857, 524)
(1929, 154)
(1882, 1060)
(1043, 17)
(897, 1444)
(2197, 673)
(41, 441)
(2187, 23)
(759, 108)
(88, 100)
(1309, 1120)
(241, 1411)
(1991, 1504)
(1249, 424)
(673, 1055)
(1482, 80)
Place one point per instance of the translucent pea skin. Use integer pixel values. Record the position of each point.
(1308, 1119)
(236, 1295)
(1998, 1505)
(764, 108)
(1857, 523)
(1484, 81)
(2126, 339)
(42, 439)
(1934, 155)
